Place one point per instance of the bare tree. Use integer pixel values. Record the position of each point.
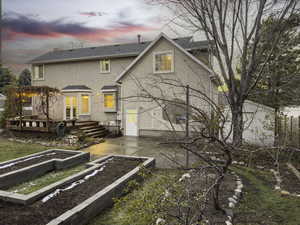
(234, 29)
(208, 138)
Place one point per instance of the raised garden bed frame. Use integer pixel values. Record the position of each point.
(24, 174)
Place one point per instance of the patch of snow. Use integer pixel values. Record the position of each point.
(160, 221)
(74, 184)
(184, 176)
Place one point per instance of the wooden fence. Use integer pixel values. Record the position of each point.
(289, 131)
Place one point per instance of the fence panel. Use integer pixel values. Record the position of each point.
(289, 131)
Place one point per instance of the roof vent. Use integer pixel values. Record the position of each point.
(139, 38)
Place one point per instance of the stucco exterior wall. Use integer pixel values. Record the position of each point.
(141, 76)
(60, 75)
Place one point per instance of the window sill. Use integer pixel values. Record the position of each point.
(108, 110)
(105, 72)
(85, 114)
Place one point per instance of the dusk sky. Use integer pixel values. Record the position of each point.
(33, 27)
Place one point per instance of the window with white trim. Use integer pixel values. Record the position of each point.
(105, 66)
(163, 62)
(110, 102)
(39, 72)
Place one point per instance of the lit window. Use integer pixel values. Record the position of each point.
(109, 101)
(85, 104)
(163, 62)
(39, 72)
(105, 66)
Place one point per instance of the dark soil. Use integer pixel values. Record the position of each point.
(40, 213)
(45, 157)
(290, 181)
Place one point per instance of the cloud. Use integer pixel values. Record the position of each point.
(91, 14)
(24, 27)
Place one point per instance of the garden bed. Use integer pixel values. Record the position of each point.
(27, 168)
(31, 160)
(77, 202)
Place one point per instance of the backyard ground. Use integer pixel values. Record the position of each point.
(260, 205)
(11, 150)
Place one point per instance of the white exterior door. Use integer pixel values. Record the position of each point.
(132, 122)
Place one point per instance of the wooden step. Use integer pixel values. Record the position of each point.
(92, 129)
(86, 124)
(96, 133)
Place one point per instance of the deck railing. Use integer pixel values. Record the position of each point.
(40, 125)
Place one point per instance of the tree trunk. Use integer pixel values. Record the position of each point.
(237, 124)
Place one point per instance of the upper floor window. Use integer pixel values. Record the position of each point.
(39, 72)
(163, 62)
(105, 66)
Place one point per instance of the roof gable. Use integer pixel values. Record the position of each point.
(149, 47)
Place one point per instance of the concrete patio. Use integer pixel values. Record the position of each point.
(141, 146)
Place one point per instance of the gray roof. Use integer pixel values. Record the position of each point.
(109, 51)
(76, 87)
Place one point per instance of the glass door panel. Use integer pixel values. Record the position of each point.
(71, 107)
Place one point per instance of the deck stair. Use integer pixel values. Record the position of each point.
(90, 129)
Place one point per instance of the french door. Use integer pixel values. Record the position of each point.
(71, 107)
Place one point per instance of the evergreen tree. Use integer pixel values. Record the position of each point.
(6, 78)
(25, 78)
(279, 85)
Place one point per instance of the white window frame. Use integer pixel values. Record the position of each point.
(101, 69)
(172, 63)
(80, 103)
(35, 75)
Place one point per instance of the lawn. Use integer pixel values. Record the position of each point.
(11, 150)
(262, 204)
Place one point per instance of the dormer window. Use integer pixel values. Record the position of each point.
(163, 62)
(105, 66)
(38, 72)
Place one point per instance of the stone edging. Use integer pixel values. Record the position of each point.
(277, 187)
(234, 200)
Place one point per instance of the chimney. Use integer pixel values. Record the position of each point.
(139, 38)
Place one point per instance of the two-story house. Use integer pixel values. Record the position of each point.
(104, 83)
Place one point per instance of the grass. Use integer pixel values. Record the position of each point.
(11, 150)
(36, 184)
(262, 204)
(138, 207)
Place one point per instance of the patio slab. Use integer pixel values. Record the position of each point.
(141, 146)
